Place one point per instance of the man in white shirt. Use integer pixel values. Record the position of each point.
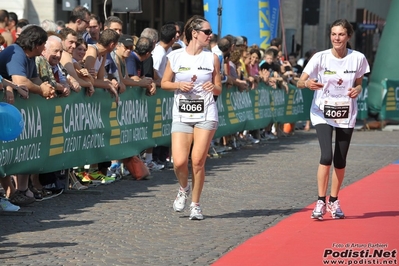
(168, 33)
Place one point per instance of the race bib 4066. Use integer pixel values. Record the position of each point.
(191, 106)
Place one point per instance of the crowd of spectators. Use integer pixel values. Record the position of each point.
(89, 54)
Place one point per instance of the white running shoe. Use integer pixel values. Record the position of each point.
(153, 166)
(196, 212)
(251, 139)
(319, 210)
(7, 206)
(180, 202)
(335, 209)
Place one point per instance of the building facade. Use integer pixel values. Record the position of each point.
(303, 23)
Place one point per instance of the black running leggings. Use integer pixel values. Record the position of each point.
(342, 141)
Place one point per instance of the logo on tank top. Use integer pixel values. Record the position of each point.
(339, 87)
(204, 68)
(329, 72)
(183, 68)
(349, 71)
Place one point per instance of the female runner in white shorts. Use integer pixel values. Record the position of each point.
(193, 74)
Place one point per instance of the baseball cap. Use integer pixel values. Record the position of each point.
(126, 40)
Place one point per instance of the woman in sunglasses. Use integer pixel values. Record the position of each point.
(193, 74)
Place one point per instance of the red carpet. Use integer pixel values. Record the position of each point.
(368, 236)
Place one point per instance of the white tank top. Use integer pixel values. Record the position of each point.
(198, 104)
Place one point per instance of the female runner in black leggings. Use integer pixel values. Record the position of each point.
(336, 77)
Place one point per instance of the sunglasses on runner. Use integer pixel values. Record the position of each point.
(206, 32)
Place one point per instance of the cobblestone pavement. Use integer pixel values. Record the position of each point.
(133, 223)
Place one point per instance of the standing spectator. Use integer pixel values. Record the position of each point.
(148, 71)
(19, 61)
(161, 50)
(69, 38)
(194, 75)
(148, 64)
(225, 47)
(334, 106)
(77, 58)
(135, 70)
(92, 34)
(113, 23)
(214, 45)
(19, 66)
(2, 42)
(142, 51)
(79, 53)
(168, 33)
(49, 25)
(303, 61)
(12, 25)
(95, 60)
(21, 24)
(49, 68)
(120, 53)
(4, 28)
(276, 43)
(253, 66)
(79, 20)
(180, 31)
(297, 69)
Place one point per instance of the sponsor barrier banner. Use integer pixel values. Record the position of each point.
(362, 109)
(390, 102)
(64, 132)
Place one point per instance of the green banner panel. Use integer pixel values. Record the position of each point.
(390, 103)
(386, 61)
(64, 132)
(362, 107)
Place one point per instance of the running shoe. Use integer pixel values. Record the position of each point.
(115, 171)
(40, 194)
(87, 178)
(335, 209)
(196, 212)
(103, 178)
(251, 139)
(125, 172)
(319, 210)
(7, 206)
(166, 164)
(180, 202)
(267, 136)
(153, 166)
(20, 198)
(215, 149)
